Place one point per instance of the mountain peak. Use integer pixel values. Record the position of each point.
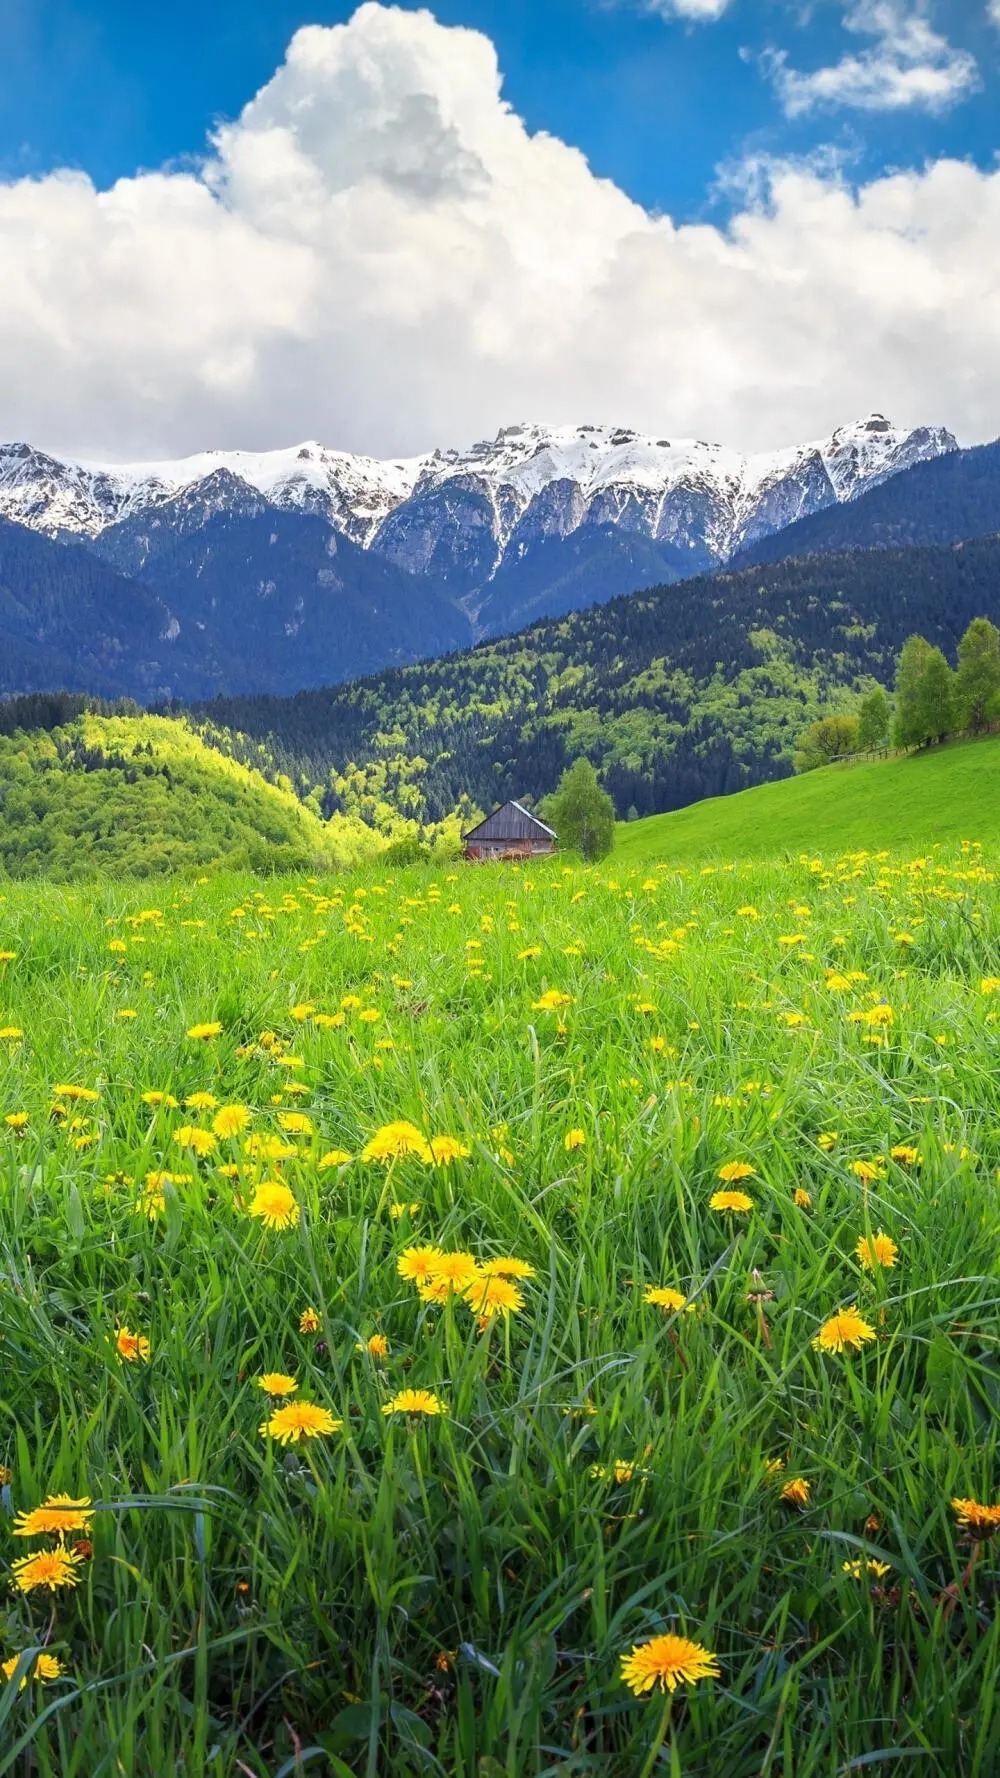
(530, 481)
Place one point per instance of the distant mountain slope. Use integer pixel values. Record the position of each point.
(68, 621)
(141, 795)
(677, 693)
(945, 501)
(915, 801)
(278, 601)
(276, 571)
(230, 602)
(432, 551)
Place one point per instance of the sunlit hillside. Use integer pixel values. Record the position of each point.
(143, 795)
(916, 799)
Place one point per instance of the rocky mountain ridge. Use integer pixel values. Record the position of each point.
(462, 515)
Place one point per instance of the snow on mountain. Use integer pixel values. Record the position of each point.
(355, 493)
(460, 514)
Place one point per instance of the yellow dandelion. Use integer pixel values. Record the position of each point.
(133, 1347)
(43, 1667)
(274, 1204)
(56, 1516)
(880, 1250)
(801, 1198)
(454, 1271)
(296, 1123)
(200, 1102)
(397, 1141)
(846, 1328)
(864, 1568)
(269, 1148)
(491, 1296)
(201, 1033)
(415, 1264)
(416, 1401)
(980, 1521)
(277, 1383)
(48, 1569)
(335, 1157)
(668, 1661)
(730, 1201)
(309, 1322)
(193, 1137)
(507, 1268)
(662, 1296)
(618, 1472)
(733, 1171)
(153, 1201)
(231, 1120)
(796, 1491)
(551, 1001)
(86, 1094)
(299, 1420)
(445, 1149)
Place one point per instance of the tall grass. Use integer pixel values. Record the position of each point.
(453, 1595)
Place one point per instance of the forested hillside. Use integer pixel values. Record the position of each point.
(675, 694)
(70, 622)
(140, 795)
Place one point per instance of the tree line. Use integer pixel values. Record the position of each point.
(932, 700)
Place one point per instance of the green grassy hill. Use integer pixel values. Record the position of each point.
(140, 795)
(912, 801)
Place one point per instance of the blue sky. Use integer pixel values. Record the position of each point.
(388, 228)
(658, 103)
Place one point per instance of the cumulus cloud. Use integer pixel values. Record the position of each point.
(909, 66)
(379, 254)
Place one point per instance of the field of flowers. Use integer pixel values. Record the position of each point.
(502, 1322)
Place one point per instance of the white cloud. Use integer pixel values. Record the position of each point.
(377, 253)
(910, 65)
(702, 11)
(994, 11)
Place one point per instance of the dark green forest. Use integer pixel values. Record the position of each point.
(677, 693)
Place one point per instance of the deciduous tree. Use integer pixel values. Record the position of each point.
(582, 814)
(977, 683)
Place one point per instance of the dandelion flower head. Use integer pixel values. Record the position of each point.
(667, 1661)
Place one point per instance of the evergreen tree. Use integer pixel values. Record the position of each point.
(874, 720)
(977, 685)
(582, 814)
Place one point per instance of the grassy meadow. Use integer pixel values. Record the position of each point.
(444, 1133)
(944, 792)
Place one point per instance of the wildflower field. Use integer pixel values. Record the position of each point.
(502, 1322)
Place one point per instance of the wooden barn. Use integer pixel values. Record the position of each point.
(510, 832)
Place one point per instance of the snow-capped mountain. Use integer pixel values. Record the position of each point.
(466, 511)
(354, 493)
(240, 573)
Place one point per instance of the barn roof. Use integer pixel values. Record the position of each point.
(511, 821)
